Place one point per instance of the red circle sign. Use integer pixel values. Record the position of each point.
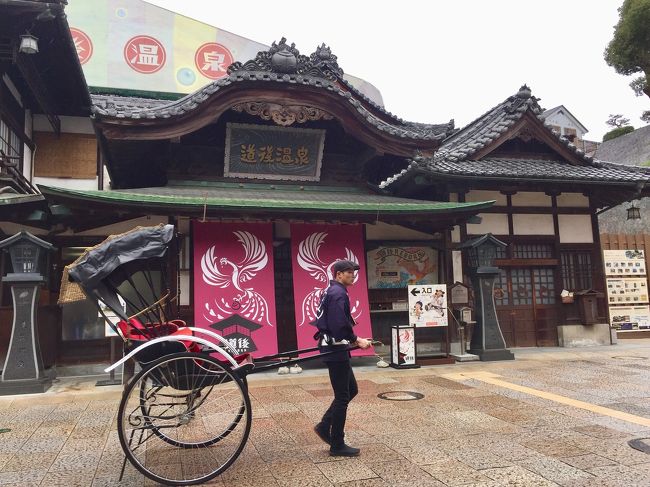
(145, 54)
(82, 44)
(212, 60)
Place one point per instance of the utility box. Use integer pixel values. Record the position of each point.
(588, 305)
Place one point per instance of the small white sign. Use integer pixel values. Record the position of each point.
(428, 305)
(111, 316)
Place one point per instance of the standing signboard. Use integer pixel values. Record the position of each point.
(402, 347)
(428, 305)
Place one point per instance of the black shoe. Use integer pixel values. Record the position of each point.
(344, 451)
(323, 432)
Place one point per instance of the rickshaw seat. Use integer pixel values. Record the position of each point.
(135, 330)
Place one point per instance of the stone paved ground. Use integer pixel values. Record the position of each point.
(464, 432)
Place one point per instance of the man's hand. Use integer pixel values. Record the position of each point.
(363, 343)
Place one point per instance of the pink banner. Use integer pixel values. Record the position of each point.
(234, 288)
(314, 248)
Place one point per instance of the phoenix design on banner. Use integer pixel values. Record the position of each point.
(223, 273)
(309, 260)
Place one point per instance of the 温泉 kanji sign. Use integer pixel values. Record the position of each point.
(265, 152)
(314, 249)
(428, 305)
(234, 287)
(145, 54)
(212, 60)
(82, 44)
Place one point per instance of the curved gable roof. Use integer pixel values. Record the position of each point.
(466, 152)
(279, 73)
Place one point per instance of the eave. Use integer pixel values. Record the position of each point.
(331, 100)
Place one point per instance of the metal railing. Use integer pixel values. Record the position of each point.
(9, 166)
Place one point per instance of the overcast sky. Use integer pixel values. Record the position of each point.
(434, 60)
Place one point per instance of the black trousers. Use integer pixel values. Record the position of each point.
(345, 388)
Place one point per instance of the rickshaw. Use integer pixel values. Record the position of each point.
(185, 416)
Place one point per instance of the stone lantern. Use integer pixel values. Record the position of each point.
(23, 368)
(487, 339)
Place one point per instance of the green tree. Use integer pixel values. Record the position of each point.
(629, 51)
(617, 132)
(617, 120)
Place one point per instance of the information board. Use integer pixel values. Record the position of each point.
(627, 291)
(630, 317)
(628, 262)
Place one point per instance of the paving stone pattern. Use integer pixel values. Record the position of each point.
(462, 433)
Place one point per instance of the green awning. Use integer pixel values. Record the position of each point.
(264, 198)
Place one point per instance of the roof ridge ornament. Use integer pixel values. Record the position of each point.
(283, 58)
(524, 92)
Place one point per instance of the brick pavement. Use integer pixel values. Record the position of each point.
(464, 432)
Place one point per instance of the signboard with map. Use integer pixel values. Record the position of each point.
(401, 266)
(626, 318)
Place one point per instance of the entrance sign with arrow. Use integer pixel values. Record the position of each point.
(428, 305)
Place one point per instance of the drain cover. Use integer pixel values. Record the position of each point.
(400, 396)
(629, 357)
(641, 444)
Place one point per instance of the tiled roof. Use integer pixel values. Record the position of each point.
(454, 155)
(538, 169)
(319, 70)
(123, 106)
(283, 199)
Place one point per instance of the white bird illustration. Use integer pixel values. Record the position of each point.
(248, 302)
(309, 260)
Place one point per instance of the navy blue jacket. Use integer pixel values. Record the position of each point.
(336, 321)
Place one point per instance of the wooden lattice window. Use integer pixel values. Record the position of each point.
(532, 251)
(576, 270)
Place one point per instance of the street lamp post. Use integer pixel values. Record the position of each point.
(23, 371)
(487, 340)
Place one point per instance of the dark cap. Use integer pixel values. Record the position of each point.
(344, 265)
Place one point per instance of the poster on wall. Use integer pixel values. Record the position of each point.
(630, 317)
(314, 249)
(627, 291)
(428, 305)
(234, 287)
(624, 262)
(399, 266)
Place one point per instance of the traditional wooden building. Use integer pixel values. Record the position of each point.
(206, 158)
(547, 195)
(286, 145)
(43, 96)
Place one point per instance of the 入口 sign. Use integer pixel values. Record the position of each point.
(428, 305)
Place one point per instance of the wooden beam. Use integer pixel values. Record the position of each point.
(38, 88)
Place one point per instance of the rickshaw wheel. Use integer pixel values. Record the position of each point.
(184, 419)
